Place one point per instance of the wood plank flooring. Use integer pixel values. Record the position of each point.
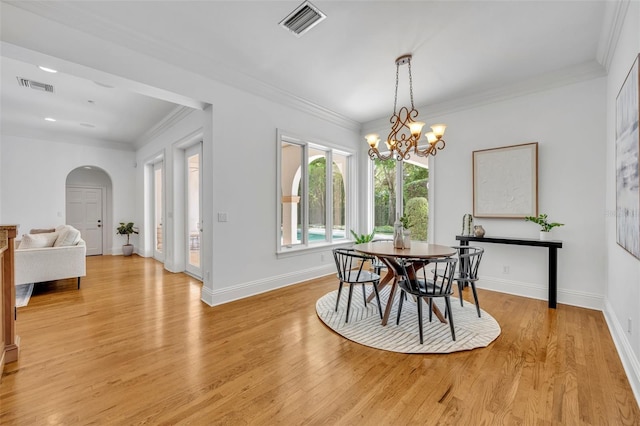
(135, 345)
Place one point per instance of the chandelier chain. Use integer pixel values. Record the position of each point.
(410, 84)
(395, 100)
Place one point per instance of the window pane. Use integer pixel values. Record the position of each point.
(384, 173)
(340, 173)
(415, 192)
(317, 195)
(291, 226)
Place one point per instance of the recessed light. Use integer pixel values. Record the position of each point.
(51, 70)
(50, 119)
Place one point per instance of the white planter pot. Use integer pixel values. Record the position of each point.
(127, 249)
(545, 236)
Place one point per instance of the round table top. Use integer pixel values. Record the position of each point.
(418, 250)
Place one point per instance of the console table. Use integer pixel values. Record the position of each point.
(552, 245)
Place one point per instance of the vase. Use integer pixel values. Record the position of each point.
(127, 249)
(478, 231)
(406, 240)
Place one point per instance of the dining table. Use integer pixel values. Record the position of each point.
(393, 257)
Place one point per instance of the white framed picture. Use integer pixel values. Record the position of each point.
(627, 169)
(505, 181)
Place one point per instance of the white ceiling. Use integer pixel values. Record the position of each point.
(461, 50)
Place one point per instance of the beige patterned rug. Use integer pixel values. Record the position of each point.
(365, 327)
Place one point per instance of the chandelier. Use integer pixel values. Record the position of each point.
(405, 131)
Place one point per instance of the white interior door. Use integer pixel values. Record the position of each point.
(193, 167)
(84, 212)
(158, 211)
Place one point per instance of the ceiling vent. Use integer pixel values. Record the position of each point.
(301, 20)
(25, 82)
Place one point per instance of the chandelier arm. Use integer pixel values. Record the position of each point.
(373, 153)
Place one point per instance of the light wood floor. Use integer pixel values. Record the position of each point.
(136, 345)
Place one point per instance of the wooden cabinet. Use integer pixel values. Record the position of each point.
(8, 338)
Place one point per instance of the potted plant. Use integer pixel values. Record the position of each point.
(545, 225)
(362, 238)
(127, 229)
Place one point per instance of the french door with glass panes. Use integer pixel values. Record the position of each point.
(158, 211)
(193, 167)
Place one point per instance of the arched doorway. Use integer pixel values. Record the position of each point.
(88, 207)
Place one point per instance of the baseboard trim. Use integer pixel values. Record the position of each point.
(537, 291)
(229, 294)
(630, 362)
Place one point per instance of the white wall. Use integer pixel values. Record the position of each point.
(569, 125)
(33, 176)
(622, 293)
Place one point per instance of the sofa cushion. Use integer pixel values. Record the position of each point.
(67, 236)
(38, 240)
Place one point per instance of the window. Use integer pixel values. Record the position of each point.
(314, 198)
(413, 199)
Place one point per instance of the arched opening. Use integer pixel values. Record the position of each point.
(89, 200)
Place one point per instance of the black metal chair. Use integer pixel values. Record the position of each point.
(351, 270)
(428, 283)
(468, 263)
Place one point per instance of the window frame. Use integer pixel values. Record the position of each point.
(306, 246)
(399, 199)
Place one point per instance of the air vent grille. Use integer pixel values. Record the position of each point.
(36, 85)
(302, 19)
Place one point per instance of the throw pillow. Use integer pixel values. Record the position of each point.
(68, 236)
(38, 240)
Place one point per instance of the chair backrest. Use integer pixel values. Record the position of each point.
(432, 277)
(469, 262)
(350, 264)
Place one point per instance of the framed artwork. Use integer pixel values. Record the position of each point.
(505, 181)
(627, 172)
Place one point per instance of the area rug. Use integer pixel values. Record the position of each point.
(365, 326)
(23, 294)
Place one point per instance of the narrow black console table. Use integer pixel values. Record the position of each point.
(553, 246)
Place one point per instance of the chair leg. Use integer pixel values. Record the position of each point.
(78, 283)
(460, 288)
(448, 309)
(475, 297)
(430, 309)
(346, 319)
(375, 289)
(419, 301)
(338, 298)
(364, 295)
(399, 307)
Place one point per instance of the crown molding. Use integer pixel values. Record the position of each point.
(66, 139)
(552, 80)
(615, 13)
(175, 116)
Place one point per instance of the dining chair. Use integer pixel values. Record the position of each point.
(468, 263)
(351, 270)
(428, 283)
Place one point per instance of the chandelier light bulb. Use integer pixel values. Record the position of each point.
(431, 137)
(416, 128)
(438, 130)
(372, 140)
